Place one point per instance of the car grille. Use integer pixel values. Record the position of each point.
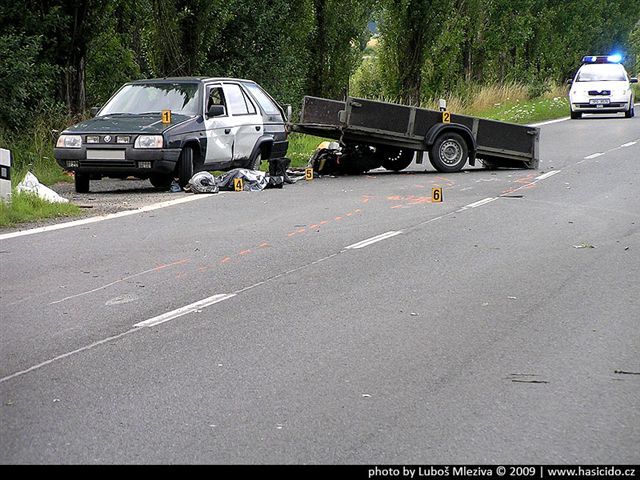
(107, 164)
(594, 93)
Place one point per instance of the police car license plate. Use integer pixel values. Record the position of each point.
(599, 101)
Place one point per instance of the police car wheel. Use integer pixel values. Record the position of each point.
(631, 112)
(81, 182)
(185, 166)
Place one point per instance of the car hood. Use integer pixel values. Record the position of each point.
(143, 124)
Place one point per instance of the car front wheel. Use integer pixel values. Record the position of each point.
(631, 112)
(185, 166)
(81, 182)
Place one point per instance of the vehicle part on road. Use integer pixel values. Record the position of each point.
(394, 159)
(449, 152)
(203, 182)
(382, 125)
(278, 171)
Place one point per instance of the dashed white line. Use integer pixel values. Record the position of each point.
(628, 144)
(548, 174)
(480, 203)
(595, 155)
(179, 312)
(372, 240)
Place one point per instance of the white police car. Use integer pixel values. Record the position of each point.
(601, 85)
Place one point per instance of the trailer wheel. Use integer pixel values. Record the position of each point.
(449, 153)
(395, 159)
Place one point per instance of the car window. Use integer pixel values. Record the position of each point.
(263, 99)
(155, 97)
(238, 102)
(216, 97)
(602, 73)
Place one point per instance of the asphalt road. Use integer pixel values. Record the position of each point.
(498, 327)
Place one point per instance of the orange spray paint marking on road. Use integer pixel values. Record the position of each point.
(225, 260)
(338, 218)
(315, 225)
(245, 252)
(179, 262)
(264, 245)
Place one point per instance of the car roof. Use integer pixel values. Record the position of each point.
(191, 80)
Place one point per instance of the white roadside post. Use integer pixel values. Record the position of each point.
(5, 175)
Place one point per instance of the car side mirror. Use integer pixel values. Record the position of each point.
(216, 111)
(633, 80)
(569, 81)
(94, 111)
(289, 112)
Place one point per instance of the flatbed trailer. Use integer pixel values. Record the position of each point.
(374, 134)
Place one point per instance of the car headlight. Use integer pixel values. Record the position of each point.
(69, 141)
(149, 141)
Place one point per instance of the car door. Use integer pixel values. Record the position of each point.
(220, 130)
(247, 122)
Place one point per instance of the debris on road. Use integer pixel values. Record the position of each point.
(584, 245)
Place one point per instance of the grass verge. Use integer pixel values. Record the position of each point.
(27, 207)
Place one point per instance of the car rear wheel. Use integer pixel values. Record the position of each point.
(81, 182)
(185, 166)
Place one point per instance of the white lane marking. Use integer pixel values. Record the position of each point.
(179, 312)
(371, 241)
(480, 203)
(68, 354)
(85, 221)
(548, 174)
(628, 144)
(595, 155)
(549, 122)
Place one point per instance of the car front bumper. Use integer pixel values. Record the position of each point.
(117, 160)
(614, 105)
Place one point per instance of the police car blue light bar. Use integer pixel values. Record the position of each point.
(615, 58)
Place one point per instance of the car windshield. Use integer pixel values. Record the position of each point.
(601, 73)
(180, 98)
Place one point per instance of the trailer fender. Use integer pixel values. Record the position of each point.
(439, 128)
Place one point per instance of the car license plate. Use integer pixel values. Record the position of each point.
(105, 154)
(599, 101)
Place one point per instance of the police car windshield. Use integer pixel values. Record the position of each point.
(603, 72)
(180, 98)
